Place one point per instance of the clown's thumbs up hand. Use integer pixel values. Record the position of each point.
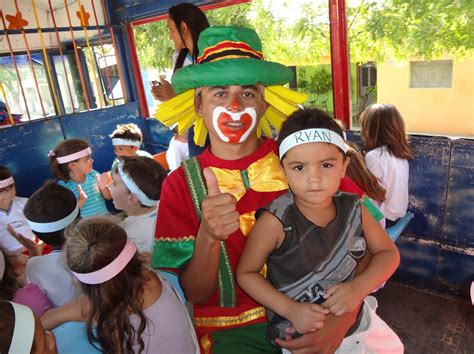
(220, 217)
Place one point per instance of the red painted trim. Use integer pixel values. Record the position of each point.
(340, 62)
(220, 4)
(137, 72)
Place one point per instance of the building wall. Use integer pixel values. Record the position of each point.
(446, 111)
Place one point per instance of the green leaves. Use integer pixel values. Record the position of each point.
(297, 32)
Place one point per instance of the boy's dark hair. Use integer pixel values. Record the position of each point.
(308, 118)
(50, 203)
(4, 173)
(129, 131)
(196, 21)
(147, 173)
(8, 284)
(64, 148)
(7, 326)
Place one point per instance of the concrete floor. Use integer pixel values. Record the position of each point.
(425, 322)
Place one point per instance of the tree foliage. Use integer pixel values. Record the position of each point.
(298, 33)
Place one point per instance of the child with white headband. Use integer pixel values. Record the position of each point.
(128, 307)
(49, 211)
(71, 163)
(21, 331)
(11, 213)
(136, 189)
(126, 140)
(312, 238)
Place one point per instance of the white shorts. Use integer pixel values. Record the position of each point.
(373, 336)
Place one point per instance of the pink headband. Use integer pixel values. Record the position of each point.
(111, 270)
(6, 182)
(75, 156)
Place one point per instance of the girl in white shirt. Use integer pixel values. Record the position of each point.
(387, 153)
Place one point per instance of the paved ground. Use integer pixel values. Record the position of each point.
(427, 323)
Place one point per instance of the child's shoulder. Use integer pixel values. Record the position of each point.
(143, 153)
(279, 205)
(19, 202)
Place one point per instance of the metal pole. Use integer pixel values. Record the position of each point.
(341, 90)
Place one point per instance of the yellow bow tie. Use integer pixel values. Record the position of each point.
(264, 175)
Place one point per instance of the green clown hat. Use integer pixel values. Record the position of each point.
(230, 56)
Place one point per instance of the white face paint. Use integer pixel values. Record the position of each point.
(233, 127)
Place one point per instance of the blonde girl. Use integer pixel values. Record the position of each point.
(386, 155)
(71, 163)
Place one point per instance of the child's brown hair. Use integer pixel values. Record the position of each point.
(129, 131)
(382, 124)
(147, 174)
(360, 175)
(64, 148)
(92, 244)
(50, 203)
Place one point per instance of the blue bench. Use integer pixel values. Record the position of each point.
(397, 229)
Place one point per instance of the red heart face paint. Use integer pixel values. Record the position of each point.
(233, 127)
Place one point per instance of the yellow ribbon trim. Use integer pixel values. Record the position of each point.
(175, 239)
(206, 343)
(225, 321)
(246, 222)
(264, 175)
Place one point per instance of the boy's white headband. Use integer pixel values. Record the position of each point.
(2, 265)
(6, 182)
(24, 330)
(311, 136)
(53, 226)
(132, 187)
(75, 156)
(128, 142)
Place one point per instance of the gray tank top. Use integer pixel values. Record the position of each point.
(313, 258)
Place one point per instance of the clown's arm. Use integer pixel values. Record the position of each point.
(219, 219)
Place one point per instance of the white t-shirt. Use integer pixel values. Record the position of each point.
(52, 275)
(15, 217)
(177, 151)
(393, 173)
(141, 230)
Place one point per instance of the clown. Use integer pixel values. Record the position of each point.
(207, 206)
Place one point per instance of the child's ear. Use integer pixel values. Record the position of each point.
(133, 200)
(184, 28)
(71, 165)
(344, 168)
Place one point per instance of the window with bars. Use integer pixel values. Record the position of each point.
(56, 58)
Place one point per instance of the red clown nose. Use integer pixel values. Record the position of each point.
(235, 105)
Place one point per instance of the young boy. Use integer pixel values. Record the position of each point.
(127, 139)
(48, 212)
(11, 212)
(312, 239)
(136, 190)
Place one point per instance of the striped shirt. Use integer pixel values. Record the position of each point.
(95, 203)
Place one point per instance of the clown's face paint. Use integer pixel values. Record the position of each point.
(233, 127)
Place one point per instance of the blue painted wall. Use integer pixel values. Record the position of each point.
(24, 147)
